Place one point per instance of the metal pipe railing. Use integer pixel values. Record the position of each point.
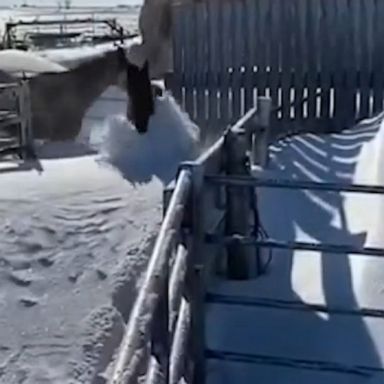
(136, 336)
(295, 245)
(249, 181)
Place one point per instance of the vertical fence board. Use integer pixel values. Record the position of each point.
(299, 61)
(378, 61)
(238, 60)
(189, 44)
(178, 54)
(364, 63)
(200, 62)
(213, 71)
(274, 58)
(225, 11)
(286, 59)
(326, 48)
(262, 38)
(311, 49)
(251, 45)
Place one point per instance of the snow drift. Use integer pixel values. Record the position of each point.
(17, 63)
(171, 138)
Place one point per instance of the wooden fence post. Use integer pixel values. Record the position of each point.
(261, 135)
(237, 220)
(195, 278)
(24, 109)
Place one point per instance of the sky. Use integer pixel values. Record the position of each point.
(74, 2)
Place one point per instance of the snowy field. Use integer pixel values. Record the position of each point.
(76, 230)
(343, 348)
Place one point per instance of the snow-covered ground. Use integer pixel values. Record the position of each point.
(283, 341)
(76, 231)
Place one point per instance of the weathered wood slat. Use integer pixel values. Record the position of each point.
(201, 62)
(251, 43)
(364, 59)
(213, 68)
(378, 57)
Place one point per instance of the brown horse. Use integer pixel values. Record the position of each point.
(59, 100)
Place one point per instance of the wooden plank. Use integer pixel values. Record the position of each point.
(225, 17)
(178, 52)
(231, 43)
(251, 43)
(365, 67)
(286, 22)
(263, 46)
(238, 58)
(325, 61)
(348, 62)
(200, 62)
(214, 65)
(189, 49)
(378, 57)
(312, 69)
(274, 56)
(299, 61)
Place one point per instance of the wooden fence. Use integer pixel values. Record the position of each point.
(15, 120)
(328, 52)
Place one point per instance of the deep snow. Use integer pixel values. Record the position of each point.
(76, 231)
(309, 277)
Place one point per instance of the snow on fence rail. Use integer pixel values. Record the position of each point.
(330, 52)
(164, 339)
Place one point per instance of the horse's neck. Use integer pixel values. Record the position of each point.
(68, 95)
(91, 79)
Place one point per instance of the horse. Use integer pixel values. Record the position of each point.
(60, 99)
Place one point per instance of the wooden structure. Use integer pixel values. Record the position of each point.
(319, 60)
(15, 121)
(320, 63)
(48, 32)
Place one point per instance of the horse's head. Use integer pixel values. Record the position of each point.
(137, 83)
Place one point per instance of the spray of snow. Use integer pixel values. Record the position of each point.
(171, 138)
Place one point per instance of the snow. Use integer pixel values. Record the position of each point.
(15, 62)
(76, 230)
(340, 281)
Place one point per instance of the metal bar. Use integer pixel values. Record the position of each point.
(179, 349)
(313, 365)
(294, 245)
(58, 21)
(176, 285)
(248, 181)
(214, 298)
(135, 339)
